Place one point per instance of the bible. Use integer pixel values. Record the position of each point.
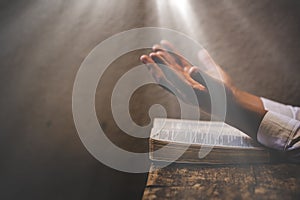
(210, 142)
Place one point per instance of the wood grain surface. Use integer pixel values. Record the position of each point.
(181, 181)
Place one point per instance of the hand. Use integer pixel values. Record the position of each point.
(176, 74)
(244, 111)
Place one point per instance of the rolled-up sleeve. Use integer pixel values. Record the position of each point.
(280, 129)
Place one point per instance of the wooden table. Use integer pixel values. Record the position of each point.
(190, 181)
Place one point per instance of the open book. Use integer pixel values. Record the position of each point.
(191, 141)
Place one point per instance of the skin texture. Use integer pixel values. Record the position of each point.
(244, 110)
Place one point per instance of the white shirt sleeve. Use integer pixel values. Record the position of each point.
(280, 128)
(287, 110)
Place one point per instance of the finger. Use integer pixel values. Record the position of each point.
(212, 68)
(193, 70)
(170, 60)
(171, 80)
(166, 59)
(186, 86)
(165, 54)
(159, 76)
(196, 84)
(171, 56)
(158, 47)
(179, 76)
(172, 73)
(159, 59)
(163, 63)
(197, 76)
(206, 59)
(155, 70)
(208, 81)
(168, 46)
(146, 60)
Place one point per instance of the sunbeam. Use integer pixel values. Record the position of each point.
(178, 14)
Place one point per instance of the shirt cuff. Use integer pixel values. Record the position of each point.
(276, 131)
(287, 110)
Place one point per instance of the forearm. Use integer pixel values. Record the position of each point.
(245, 112)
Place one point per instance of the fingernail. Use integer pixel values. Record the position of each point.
(156, 47)
(160, 53)
(143, 58)
(152, 55)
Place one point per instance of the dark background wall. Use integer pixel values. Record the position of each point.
(43, 43)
